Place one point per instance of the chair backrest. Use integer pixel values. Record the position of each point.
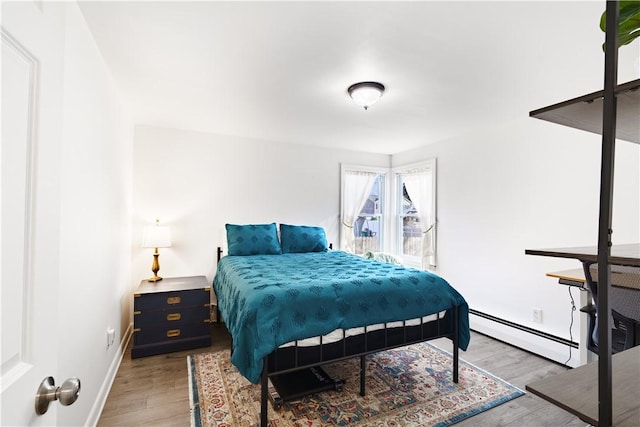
(625, 305)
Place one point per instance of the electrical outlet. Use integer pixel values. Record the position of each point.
(111, 336)
(537, 315)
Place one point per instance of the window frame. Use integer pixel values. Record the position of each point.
(396, 230)
(385, 209)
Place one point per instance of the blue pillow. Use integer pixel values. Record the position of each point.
(302, 238)
(253, 239)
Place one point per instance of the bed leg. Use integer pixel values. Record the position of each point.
(363, 364)
(264, 382)
(456, 326)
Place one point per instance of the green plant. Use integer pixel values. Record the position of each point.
(628, 22)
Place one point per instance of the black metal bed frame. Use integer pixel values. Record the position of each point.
(294, 358)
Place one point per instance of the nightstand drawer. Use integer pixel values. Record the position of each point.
(152, 335)
(163, 300)
(171, 316)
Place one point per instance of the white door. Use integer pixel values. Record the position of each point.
(31, 136)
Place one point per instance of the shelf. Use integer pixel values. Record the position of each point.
(628, 254)
(585, 112)
(576, 390)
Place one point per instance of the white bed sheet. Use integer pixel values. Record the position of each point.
(339, 334)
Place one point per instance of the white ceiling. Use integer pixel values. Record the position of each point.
(279, 70)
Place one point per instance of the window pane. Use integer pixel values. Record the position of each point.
(407, 205)
(411, 236)
(367, 227)
(411, 245)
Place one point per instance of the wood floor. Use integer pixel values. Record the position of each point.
(153, 391)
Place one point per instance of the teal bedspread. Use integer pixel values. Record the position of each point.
(269, 300)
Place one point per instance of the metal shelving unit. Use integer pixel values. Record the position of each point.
(612, 112)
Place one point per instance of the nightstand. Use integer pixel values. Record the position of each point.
(171, 315)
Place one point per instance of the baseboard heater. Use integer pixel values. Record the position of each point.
(524, 328)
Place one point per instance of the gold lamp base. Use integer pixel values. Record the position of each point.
(155, 267)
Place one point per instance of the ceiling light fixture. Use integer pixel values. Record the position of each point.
(365, 94)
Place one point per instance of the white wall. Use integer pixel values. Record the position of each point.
(95, 216)
(531, 184)
(527, 184)
(197, 182)
(82, 210)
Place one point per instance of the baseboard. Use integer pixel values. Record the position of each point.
(544, 344)
(103, 394)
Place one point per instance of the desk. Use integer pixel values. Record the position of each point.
(624, 295)
(584, 390)
(574, 277)
(625, 287)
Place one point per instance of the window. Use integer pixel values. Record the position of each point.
(362, 216)
(415, 214)
(408, 229)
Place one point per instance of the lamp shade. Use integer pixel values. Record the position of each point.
(156, 236)
(366, 94)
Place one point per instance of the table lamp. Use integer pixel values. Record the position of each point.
(156, 236)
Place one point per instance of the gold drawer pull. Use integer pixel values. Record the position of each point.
(173, 316)
(173, 333)
(173, 300)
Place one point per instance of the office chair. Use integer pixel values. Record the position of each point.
(625, 331)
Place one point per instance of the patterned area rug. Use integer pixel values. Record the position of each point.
(409, 386)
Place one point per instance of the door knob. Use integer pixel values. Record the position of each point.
(67, 393)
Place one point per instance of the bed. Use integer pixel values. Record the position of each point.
(290, 303)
